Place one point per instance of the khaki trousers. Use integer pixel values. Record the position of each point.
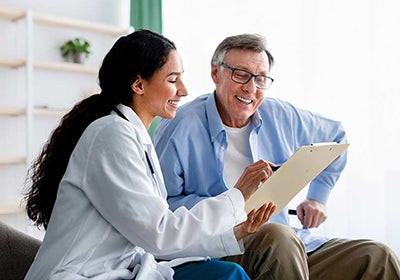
(275, 252)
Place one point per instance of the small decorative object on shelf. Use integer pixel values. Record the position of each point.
(75, 49)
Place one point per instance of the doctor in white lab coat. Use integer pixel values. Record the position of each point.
(98, 190)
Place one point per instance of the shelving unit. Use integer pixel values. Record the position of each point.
(11, 14)
(57, 66)
(66, 66)
(49, 112)
(12, 111)
(12, 62)
(78, 24)
(12, 160)
(11, 209)
(29, 111)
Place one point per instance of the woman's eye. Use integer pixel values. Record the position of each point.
(173, 82)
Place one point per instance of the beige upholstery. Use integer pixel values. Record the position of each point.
(17, 251)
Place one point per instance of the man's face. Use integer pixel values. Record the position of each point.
(236, 102)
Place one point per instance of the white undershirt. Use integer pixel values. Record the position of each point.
(237, 155)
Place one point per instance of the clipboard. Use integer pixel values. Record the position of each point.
(298, 171)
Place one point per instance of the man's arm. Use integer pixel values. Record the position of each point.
(312, 211)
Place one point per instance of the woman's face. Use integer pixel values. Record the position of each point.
(160, 94)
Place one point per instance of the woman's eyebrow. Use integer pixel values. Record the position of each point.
(175, 74)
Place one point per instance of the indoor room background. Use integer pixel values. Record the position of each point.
(338, 58)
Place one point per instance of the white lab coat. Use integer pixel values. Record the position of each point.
(110, 206)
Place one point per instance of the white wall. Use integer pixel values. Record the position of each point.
(339, 58)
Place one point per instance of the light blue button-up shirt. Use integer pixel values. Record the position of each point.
(192, 146)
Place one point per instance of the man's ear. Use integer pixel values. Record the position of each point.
(214, 73)
(137, 86)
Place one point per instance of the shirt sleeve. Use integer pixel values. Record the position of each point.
(118, 184)
(321, 187)
(314, 128)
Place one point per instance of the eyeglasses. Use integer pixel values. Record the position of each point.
(243, 77)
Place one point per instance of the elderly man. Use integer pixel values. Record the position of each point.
(204, 150)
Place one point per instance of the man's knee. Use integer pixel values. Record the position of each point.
(357, 258)
(277, 233)
(276, 239)
(275, 252)
(379, 252)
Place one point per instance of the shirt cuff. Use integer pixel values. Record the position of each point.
(319, 193)
(237, 200)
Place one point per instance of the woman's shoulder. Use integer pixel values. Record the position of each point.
(109, 128)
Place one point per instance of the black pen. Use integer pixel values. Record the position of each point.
(274, 168)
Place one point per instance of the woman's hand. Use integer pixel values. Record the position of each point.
(252, 177)
(255, 219)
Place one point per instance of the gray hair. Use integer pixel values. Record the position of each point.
(253, 42)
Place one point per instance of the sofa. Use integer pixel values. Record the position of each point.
(17, 251)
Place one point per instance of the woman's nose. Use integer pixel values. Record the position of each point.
(182, 91)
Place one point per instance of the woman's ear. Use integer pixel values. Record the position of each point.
(137, 86)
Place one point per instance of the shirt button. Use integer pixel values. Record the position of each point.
(153, 266)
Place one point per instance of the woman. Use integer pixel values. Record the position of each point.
(98, 190)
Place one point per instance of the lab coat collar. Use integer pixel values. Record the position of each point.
(137, 122)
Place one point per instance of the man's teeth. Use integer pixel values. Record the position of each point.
(244, 100)
(173, 102)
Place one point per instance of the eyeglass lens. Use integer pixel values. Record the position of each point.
(244, 77)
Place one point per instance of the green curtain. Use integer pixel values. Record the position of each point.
(147, 14)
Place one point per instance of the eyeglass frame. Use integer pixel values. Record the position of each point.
(233, 69)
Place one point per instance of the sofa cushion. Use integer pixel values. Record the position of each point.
(17, 251)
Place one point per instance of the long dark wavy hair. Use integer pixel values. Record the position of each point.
(140, 53)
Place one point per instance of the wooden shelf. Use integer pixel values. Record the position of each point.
(11, 209)
(57, 66)
(66, 66)
(59, 21)
(12, 160)
(11, 14)
(12, 62)
(40, 111)
(49, 112)
(12, 111)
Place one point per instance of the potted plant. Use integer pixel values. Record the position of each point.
(74, 49)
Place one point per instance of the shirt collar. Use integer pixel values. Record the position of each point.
(256, 120)
(214, 120)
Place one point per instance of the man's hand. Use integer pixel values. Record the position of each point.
(255, 219)
(311, 213)
(252, 176)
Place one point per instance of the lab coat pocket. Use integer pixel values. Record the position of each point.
(148, 269)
